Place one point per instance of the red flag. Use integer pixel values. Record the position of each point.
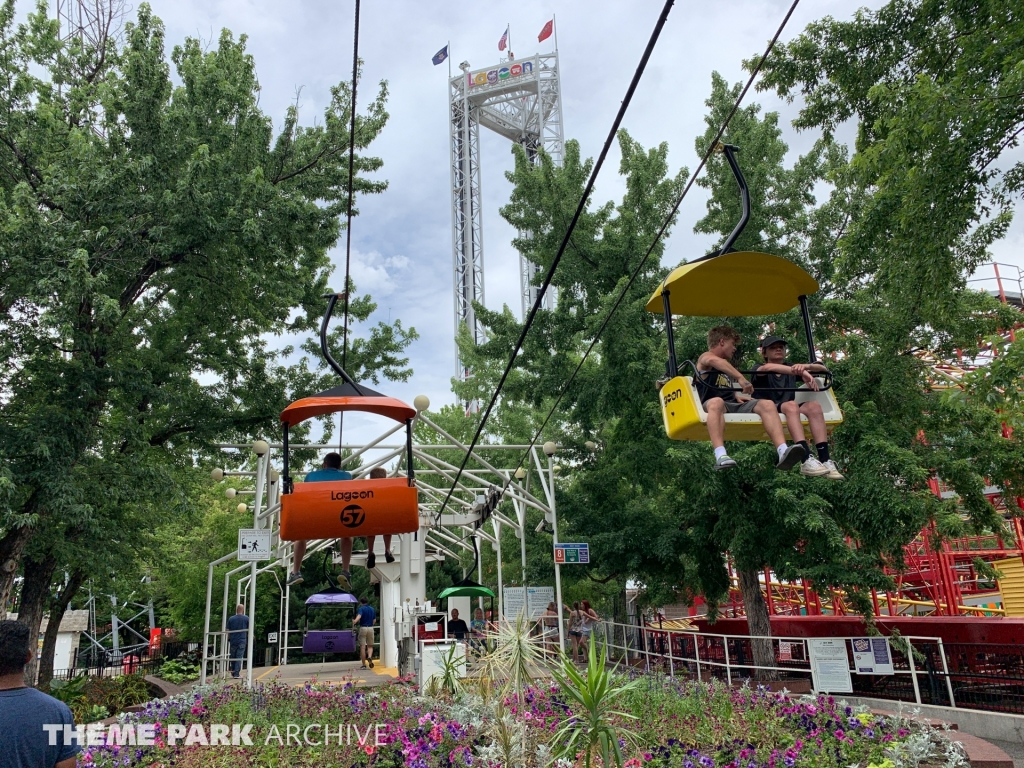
(546, 32)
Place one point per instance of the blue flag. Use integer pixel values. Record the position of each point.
(440, 56)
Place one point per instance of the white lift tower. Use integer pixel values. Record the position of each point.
(519, 99)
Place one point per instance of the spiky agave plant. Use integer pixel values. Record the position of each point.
(515, 658)
(593, 695)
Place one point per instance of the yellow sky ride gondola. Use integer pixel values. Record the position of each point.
(732, 284)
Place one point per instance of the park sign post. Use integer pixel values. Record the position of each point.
(572, 553)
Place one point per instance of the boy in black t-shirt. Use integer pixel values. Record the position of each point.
(774, 375)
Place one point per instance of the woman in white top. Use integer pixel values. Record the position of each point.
(590, 618)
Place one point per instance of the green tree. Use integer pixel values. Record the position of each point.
(653, 510)
(157, 232)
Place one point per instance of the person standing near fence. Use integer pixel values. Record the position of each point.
(590, 618)
(575, 630)
(238, 635)
(32, 725)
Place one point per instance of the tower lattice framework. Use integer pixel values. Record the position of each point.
(521, 101)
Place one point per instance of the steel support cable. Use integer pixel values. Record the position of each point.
(637, 74)
(351, 195)
(660, 234)
(650, 250)
(351, 181)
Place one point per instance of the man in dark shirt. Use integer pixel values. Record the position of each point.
(716, 377)
(365, 617)
(238, 637)
(25, 713)
(773, 376)
(457, 627)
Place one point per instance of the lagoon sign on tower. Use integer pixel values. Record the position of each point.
(520, 100)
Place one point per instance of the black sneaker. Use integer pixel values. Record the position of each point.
(794, 455)
(370, 662)
(371, 560)
(388, 556)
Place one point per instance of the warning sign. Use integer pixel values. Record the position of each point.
(254, 544)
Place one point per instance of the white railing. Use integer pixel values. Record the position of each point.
(701, 653)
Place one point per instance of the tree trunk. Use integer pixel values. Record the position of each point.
(758, 623)
(35, 592)
(58, 607)
(12, 545)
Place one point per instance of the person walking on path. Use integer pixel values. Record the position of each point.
(365, 617)
(36, 730)
(238, 636)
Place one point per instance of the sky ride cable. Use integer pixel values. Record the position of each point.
(643, 261)
(351, 194)
(637, 74)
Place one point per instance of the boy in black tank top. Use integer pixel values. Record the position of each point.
(714, 371)
(774, 375)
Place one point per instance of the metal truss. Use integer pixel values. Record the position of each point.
(451, 534)
(520, 101)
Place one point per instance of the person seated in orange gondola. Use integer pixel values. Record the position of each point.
(331, 471)
(774, 380)
(715, 381)
(378, 473)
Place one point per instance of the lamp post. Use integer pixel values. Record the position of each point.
(549, 451)
(520, 475)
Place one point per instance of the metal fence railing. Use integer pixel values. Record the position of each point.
(127, 661)
(966, 675)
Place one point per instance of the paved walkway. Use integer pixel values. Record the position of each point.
(337, 672)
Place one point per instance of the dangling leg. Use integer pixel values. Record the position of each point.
(716, 431)
(371, 559)
(345, 581)
(296, 575)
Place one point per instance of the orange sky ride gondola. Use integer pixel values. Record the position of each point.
(347, 508)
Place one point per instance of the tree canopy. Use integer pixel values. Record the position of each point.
(654, 511)
(159, 237)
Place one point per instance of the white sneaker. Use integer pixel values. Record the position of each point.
(813, 468)
(833, 472)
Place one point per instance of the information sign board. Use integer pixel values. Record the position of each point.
(514, 601)
(830, 666)
(871, 656)
(572, 553)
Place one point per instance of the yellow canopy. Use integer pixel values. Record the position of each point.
(739, 284)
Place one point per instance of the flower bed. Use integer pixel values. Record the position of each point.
(677, 725)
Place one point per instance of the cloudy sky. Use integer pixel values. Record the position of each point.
(402, 250)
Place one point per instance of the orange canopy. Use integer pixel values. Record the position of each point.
(318, 405)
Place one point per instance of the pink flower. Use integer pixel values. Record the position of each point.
(369, 749)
